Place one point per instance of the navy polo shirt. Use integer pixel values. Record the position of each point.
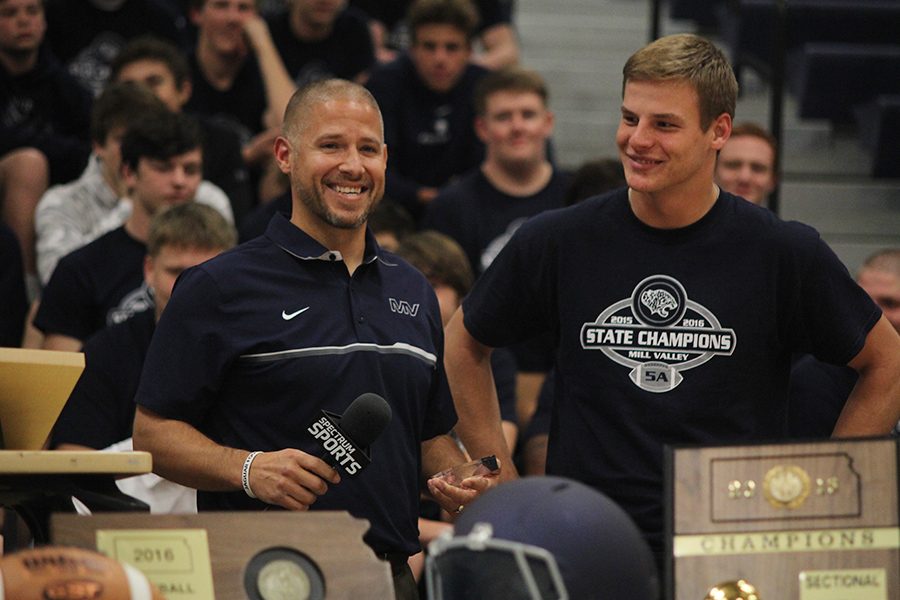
(256, 342)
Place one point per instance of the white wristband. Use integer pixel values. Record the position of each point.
(245, 473)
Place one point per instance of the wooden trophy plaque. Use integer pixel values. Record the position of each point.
(796, 521)
(238, 555)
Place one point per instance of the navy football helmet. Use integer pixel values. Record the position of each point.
(542, 538)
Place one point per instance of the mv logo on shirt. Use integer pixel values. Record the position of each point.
(658, 333)
(402, 307)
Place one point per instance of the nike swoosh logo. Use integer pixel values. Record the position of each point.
(288, 316)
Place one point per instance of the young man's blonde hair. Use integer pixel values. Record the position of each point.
(190, 225)
(691, 58)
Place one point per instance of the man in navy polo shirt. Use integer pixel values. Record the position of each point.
(255, 343)
(675, 307)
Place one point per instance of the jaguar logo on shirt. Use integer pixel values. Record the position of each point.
(658, 333)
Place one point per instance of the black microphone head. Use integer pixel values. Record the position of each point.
(365, 419)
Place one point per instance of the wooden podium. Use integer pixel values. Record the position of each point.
(34, 387)
(36, 483)
(327, 545)
(805, 521)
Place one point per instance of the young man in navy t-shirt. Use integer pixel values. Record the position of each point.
(675, 307)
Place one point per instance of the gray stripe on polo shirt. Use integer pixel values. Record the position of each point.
(397, 348)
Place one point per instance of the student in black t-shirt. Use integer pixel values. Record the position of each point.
(238, 78)
(319, 40)
(100, 410)
(426, 99)
(495, 32)
(483, 208)
(86, 35)
(44, 120)
(161, 67)
(100, 284)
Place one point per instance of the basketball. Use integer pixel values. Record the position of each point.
(63, 573)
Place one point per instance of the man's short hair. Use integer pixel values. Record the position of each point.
(440, 258)
(459, 14)
(886, 260)
(190, 225)
(509, 79)
(119, 105)
(149, 47)
(750, 129)
(691, 58)
(159, 135)
(296, 113)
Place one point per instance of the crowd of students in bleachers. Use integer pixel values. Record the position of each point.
(232, 66)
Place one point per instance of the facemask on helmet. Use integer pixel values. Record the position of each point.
(470, 567)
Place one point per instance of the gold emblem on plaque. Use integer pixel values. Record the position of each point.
(283, 580)
(786, 486)
(733, 590)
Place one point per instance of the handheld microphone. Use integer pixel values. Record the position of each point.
(345, 439)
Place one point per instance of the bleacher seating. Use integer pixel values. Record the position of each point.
(838, 55)
(832, 78)
(879, 129)
(747, 26)
(701, 12)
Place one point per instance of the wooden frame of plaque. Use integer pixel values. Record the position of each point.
(805, 520)
(330, 542)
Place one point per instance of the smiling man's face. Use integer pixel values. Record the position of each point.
(336, 163)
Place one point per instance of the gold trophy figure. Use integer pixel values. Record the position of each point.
(733, 590)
